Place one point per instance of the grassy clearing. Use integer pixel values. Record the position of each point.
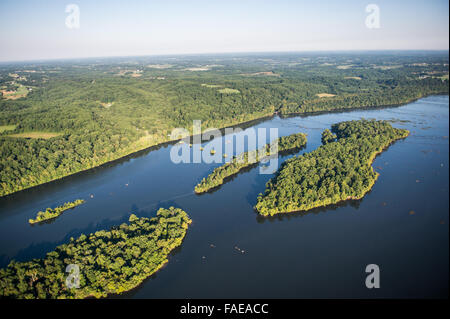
(106, 105)
(352, 78)
(325, 95)
(344, 67)
(197, 69)
(270, 73)
(387, 67)
(159, 66)
(43, 135)
(443, 77)
(229, 91)
(211, 86)
(4, 128)
(21, 91)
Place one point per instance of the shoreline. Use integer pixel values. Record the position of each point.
(249, 123)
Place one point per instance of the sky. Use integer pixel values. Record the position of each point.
(37, 30)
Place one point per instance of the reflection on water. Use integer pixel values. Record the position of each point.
(322, 254)
(281, 217)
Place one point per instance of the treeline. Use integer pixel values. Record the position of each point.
(51, 213)
(109, 262)
(247, 159)
(336, 171)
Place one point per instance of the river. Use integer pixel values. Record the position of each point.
(401, 224)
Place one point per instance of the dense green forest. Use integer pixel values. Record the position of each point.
(247, 159)
(336, 171)
(110, 262)
(328, 136)
(69, 116)
(51, 213)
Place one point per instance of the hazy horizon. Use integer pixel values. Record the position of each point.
(40, 31)
(225, 53)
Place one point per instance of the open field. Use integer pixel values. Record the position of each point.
(229, 91)
(211, 86)
(106, 105)
(344, 67)
(387, 67)
(270, 73)
(4, 128)
(325, 95)
(21, 91)
(43, 135)
(443, 77)
(159, 66)
(197, 69)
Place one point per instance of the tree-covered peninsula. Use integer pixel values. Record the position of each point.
(51, 213)
(247, 159)
(336, 171)
(110, 262)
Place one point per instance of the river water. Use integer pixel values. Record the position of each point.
(401, 225)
